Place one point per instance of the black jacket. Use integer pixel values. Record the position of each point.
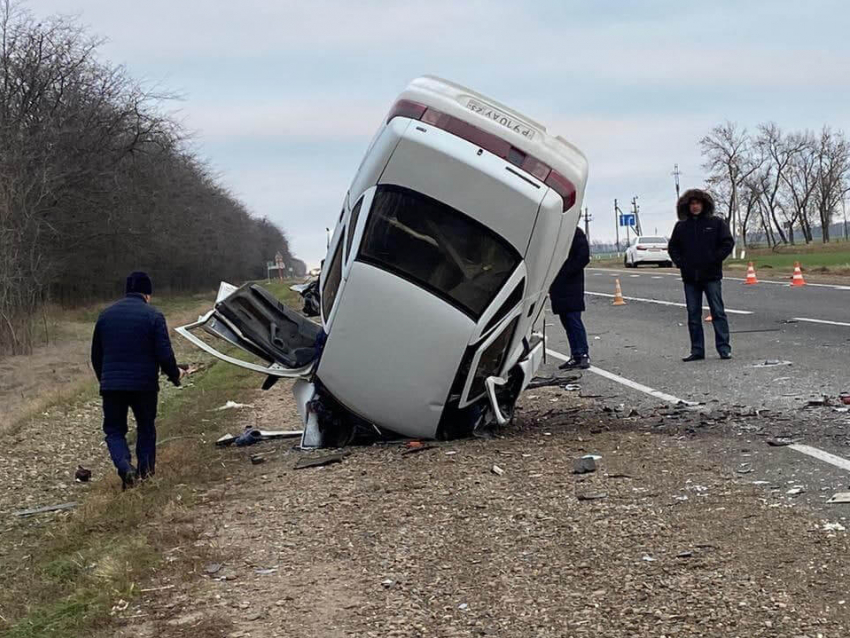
(699, 244)
(130, 346)
(567, 289)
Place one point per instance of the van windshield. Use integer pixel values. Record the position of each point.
(436, 247)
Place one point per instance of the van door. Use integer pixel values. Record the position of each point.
(254, 320)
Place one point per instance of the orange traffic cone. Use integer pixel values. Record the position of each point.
(798, 280)
(751, 275)
(618, 294)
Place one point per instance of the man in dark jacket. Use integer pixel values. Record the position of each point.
(698, 246)
(129, 348)
(567, 295)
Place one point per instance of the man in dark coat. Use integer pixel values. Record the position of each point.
(567, 295)
(698, 246)
(129, 348)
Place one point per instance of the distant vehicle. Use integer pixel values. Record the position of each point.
(647, 250)
(457, 220)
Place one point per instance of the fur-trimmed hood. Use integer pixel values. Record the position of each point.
(694, 193)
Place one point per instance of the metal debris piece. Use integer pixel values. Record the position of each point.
(225, 440)
(319, 461)
(257, 459)
(49, 508)
(685, 554)
(839, 498)
(497, 470)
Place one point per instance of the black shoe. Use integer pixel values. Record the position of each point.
(725, 355)
(693, 357)
(570, 364)
(584, 362)
(128, 478)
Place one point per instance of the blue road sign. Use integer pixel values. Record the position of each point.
(627, 220)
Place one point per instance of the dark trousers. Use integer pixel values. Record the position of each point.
(576, 334)
(115, 406)
(693, 298)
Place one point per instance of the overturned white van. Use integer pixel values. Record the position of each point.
(456, 222)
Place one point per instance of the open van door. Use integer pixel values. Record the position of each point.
(252, 319)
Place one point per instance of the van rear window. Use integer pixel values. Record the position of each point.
(437, 247)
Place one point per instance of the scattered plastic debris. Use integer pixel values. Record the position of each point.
(497, 470)
(648, 559)
(319, 461)
(82, 475)
(795, 491)
(49, 508)
(233, 405)
(771, 363)
(833, 527)
(839, 498)
(257, 459)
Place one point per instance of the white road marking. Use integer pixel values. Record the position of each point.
(669, 398)
(634, 276)
(821, 455)
(658, 277)
(665, 303)
(830, 323)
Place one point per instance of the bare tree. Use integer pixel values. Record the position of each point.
(730, 161)
(833, 175)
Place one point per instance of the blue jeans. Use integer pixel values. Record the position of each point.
(576, 334)
(693, 298)
(115, 407)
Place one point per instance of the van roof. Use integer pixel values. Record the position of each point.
(496, 118)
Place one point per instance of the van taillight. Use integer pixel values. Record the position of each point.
(407, 108)
(489, 142)
(563, 187)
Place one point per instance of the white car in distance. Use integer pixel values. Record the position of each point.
(647, 250)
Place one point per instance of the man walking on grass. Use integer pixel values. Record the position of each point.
(567, 295)
(129, 348)
(699, 244)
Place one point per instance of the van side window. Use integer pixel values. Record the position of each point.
(352, 226)
(437, 248)
(332, 282)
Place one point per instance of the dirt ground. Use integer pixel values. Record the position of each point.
(660, 541)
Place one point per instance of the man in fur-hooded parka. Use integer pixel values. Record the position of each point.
(699, 244)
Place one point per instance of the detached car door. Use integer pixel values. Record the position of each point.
(252, 319)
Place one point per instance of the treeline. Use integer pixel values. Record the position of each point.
(777, 185)
(96, 180)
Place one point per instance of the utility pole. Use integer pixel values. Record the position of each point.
(617, 223)
(636, 211)
(675, 175)
(844, 211)
(587, 220)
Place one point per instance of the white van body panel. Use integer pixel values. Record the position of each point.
(394, 351)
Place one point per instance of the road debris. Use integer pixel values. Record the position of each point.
(82, 475)
(49, 508)
(591, 496)
(251, 436)
(648, 559)
(265, 571)
(586, 464)
(780, 442)
(257, 459)
(795, 491)
(212, 568)
(319, 461)
(772, 363)
(546, 382)
(418, 448)
(839, 498)
(833, 527)
(497, 470)
(233, 405)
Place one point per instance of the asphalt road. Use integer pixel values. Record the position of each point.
(645, 340)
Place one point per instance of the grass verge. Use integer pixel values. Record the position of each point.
(71, 574)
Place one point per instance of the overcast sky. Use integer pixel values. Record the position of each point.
(283, 96)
